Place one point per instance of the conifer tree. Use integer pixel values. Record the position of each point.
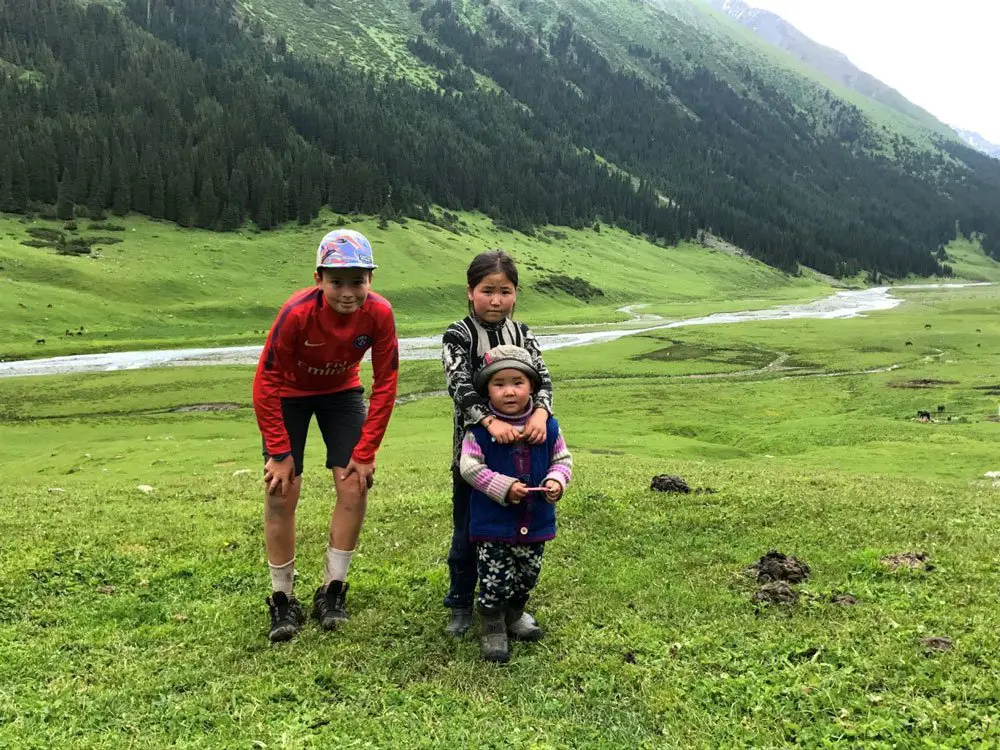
(65, 208)
(208, 205)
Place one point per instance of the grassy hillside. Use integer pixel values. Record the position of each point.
(164, 285)
(141, 615)
(966, 256)
(373, 36)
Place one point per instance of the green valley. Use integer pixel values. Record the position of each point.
(167, 286)
(167, 170)
(137, 614)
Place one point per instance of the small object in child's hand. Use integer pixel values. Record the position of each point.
(536, 489)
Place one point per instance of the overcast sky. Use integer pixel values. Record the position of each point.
(943, 56)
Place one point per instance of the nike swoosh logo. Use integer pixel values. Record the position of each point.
(309, 343)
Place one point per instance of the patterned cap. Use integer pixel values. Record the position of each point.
(345, 248)
(506, 357)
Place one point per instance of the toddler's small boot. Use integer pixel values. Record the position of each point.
(460, 621)
(521, 626)
(493, 643)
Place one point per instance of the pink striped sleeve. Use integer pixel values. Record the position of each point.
(472, 465)
(561, 466)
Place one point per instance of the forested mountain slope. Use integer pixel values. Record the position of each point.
(211, 113)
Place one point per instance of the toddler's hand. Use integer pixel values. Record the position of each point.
(503, 432)
(553, 490)
(517, 492)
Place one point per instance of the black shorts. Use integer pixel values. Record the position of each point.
(340, 417)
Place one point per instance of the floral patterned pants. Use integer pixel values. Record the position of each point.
(507, 573)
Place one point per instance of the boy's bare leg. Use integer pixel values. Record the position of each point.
(279, 539)
(345, 525)
(279, 524)
(349, 512)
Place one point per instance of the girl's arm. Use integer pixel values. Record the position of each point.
(544, 396)
(476, 473)
(457, 363)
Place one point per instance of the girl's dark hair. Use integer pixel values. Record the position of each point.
(492, 261)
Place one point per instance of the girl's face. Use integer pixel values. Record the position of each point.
(509, 391)
(493, 298)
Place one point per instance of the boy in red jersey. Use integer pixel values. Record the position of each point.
(309, 366)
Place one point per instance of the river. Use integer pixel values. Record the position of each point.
(847, 304)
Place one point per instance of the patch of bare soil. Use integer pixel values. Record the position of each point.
(669, 483)
(937, 643)
(777, 566)
(922, 383)
(776, 592)
(206, 407)
(844, 600)
(912, 560)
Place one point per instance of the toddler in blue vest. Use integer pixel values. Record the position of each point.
(515, 487)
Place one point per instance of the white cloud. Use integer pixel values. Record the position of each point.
(939, 55)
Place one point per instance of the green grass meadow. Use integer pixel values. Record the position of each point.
(130, 619)
(164, 286)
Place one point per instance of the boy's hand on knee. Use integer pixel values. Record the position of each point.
(517, 492)
(364, 472)
(279, 475)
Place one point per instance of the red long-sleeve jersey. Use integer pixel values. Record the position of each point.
(312, 350)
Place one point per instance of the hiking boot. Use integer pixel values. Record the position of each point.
(460, 622)
(328, 606)
(286, 616)
(522, 627)
(493, 644)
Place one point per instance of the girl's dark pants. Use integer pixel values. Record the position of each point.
(462, 556)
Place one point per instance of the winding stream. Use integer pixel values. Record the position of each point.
(848, 304)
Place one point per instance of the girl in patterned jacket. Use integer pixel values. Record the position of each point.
(492, 294)
(514, 490)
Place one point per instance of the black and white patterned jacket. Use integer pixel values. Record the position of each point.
(464, 344)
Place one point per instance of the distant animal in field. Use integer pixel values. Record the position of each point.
(909, 343)
(927, 325)
(39, 341)
(940, 408)
(923, 416)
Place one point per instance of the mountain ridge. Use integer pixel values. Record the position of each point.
(978, 142)
(831, 62)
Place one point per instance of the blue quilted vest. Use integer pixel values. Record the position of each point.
(533, 519)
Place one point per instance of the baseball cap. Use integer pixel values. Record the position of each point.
(345, 248)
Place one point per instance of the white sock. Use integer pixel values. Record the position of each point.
(337, 563)
(283, 577)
